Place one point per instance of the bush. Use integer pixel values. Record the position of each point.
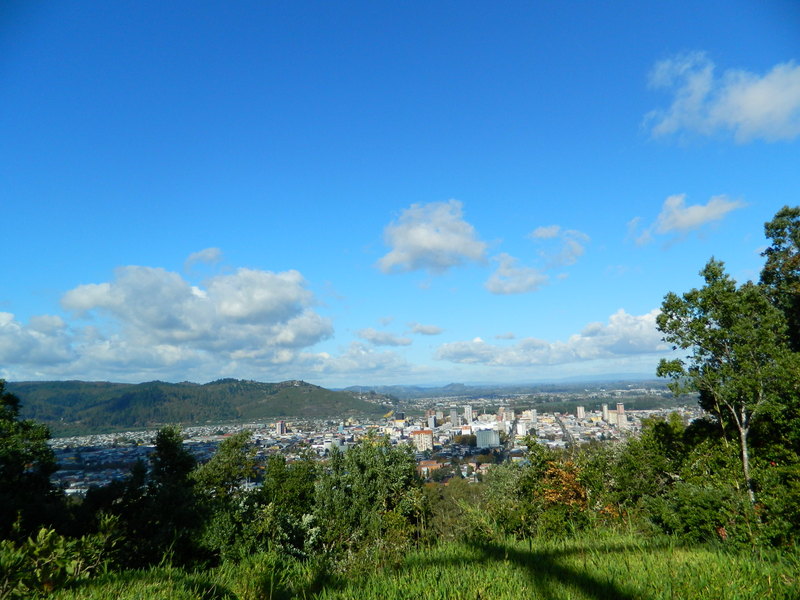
(48, 561)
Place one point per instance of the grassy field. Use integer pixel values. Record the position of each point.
(609, 567)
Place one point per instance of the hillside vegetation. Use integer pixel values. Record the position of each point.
(80, 406)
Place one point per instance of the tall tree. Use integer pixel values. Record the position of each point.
(173, 517)
(233, 463)
(738, 357)
(781, 272)
(26, 463)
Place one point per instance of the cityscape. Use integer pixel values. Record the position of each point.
(449, 438)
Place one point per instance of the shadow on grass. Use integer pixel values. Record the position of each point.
(550, 575)
(549, 572)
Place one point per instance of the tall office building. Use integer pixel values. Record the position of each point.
(622, 420)
(280, 427)
(580, 413)
(454, 417)
(605, 413)
(468, 414)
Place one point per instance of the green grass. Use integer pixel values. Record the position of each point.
(614, 567)
(593, 567)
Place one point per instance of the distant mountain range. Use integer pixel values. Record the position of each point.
(490, 391)
(81, 406)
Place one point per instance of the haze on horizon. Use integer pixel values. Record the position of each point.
(369, 194)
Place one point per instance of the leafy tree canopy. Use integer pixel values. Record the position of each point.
(737, 357)
(26, 463)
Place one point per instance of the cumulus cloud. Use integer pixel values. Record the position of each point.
(510, 278)
(678, 218)
(746, 104)
(623, 335)
(425, 329)
(382, 338)
(432, 237)
(359, 358)
(44, 341)
(152, 320)
(148, 323)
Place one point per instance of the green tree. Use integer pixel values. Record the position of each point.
(228, 511)
(781, 277)
(26, 463)
(781, 272)
(737, 353)
(233, 464)
(450, 507)
(369, 494)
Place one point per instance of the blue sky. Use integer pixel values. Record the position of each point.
(371, 193)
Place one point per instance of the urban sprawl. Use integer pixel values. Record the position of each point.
(449, 436)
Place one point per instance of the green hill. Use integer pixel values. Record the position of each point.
(81, 406)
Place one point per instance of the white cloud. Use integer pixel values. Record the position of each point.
(425, 329)
(546, 233)
(509, 278)
(432, 237)
(572, 248)
(571, 245)
(505, 336)
(382, 338)
(675, 216)
(678, 218)
(43, 342)
(565, 247)
(209, 256)
(623, 335)
(362, 360)
(151, 318)
(749, 105)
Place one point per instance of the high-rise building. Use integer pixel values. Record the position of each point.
(280, 427)
(468, 414)
(454, 417)
(422, 439)
(622, 420)
(432, 421)
(605, 412)
(580, 413)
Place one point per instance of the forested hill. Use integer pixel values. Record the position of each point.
(72, 406)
